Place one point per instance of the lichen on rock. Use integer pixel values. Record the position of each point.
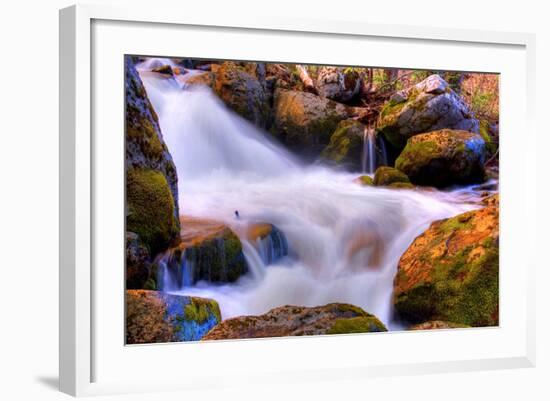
(450, 272)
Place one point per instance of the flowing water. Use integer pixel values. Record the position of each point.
(344, 240)
(374, 151)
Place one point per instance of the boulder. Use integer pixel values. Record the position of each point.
(338, 84)
(430, 105)
(450, 272)
(242, 88)
(305, 122)
(346, 145)
(209, 251)
(150, 170)
(298, 321)
(443, 158)
(202, 78)
(165, 70)
(156, 317)
(387, 176)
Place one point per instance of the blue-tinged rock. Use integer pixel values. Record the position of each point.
(156, 317)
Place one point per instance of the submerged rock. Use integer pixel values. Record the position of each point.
(364, 180)
(298, 321)
(156, 317)
(242, 87)
(346, 145)
(306, 122)
(443, 158)
(428, 106)
(209, 251)
(165, 69)
(450, 272)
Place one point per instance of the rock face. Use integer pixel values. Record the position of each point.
(306, 121)
(428, 106)
(337, 84)
(298, 321)
(155, 317)
(243, 89)
(151, 184)
(138, 266)
(442, 158)
(388, 176)
(437, 324)
(450, 272)
(346, 145)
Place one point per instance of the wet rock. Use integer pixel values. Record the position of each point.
(364, 180)
(430, 105)
(165, 70)
(149, 167)
(346, 145)
(450, 272)
(387, 176)
(443, 158)
(202, 78)
(306, 122)
(242, 88)
(156, 317)
(298, 321)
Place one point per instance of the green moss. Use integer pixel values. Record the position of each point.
(484, 132)
(401, 185)
(388, 175)
(200, 309)
(150, 209)
(458, 290)
(346, 143)
(141, 131)
(365, 180)
(361, 324)
(150, 284)
(416, 153)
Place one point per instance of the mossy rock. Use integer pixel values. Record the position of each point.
(369, 324)
(364, 180)
(138, 265)
(437, 325)
(346, 145)
(430, 105)
(388, 176)
(150, 209)
(292, 320)
(443, 158)
(450, 272)
(156, 317)
(306, 122)
(145, 146)
(210, 251)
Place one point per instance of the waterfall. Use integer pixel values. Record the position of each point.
(342, 241)
(374, 151)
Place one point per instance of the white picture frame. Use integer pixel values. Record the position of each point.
(83, 325)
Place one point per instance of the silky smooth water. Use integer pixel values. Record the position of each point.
(344, 240)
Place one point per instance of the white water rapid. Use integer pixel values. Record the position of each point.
(344, 240)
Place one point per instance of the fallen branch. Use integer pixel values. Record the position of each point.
(306, 79)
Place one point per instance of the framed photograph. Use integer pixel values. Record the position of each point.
(290, 200)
